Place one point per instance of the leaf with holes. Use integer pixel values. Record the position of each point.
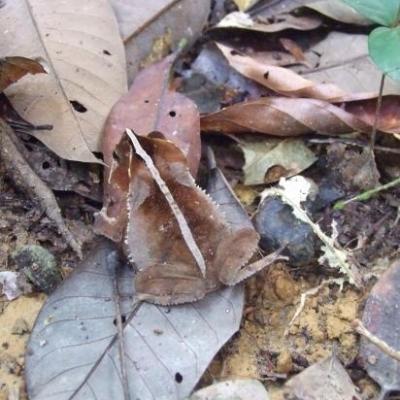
(381, 310)
(79, 45)
(73, 353)
(281, 80)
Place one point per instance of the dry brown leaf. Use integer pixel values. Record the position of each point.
(281, 80)
(283, 117)
(80, 46)
(148, 106)
(14, 68)
(241, 20)
(389, 118)
(150, 29)
(294, 49)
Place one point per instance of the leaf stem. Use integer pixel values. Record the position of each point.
(377, 112)
(367, 194)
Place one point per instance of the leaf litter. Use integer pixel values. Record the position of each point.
(364, 230)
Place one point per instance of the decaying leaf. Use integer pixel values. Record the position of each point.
(326, 380)
(14, 68)
(73, 351)
(151, 29)
(237, 389)
(148, 106)
(80, 46)
(281, 80)
(289, 156)
(241, 20)
(283, 117)
(380, 317)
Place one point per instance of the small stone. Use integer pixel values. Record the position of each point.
(20, 327)
(277, 226)
(39, 266)
(284, 363)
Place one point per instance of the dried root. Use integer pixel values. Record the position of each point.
(26, 179)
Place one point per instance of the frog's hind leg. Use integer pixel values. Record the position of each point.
(236, 276)
(169, 284)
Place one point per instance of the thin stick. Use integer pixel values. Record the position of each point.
(135, 309)
(377, 113)
(350, 142)
(359, 327)
(367, 194)
(114, 270)
(26, 179)
(304, 296)
(183, 225)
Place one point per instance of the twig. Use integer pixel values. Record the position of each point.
(114, 269)
(359, 327)
(377, 113)
(180, 218)
(26, 179)
(311, 292)
(351, 142)
(137, 304)
(367, 194)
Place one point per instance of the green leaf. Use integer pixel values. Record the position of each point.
(383, 12)
(384, 49)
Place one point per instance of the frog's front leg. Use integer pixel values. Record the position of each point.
(234, 254)
(168, 284)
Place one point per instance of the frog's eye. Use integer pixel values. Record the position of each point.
(116, 156)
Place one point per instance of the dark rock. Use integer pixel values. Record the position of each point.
(277, 226)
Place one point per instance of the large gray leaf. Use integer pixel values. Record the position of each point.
(167, 349)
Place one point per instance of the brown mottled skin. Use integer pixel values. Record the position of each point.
(167, 271)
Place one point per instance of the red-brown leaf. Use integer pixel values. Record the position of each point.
(280, 116)
(151, 106)
(14, 68)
